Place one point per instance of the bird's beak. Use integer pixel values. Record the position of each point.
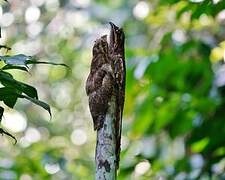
(113, 26)
(113, 35)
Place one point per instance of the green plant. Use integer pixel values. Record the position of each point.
(12, 89)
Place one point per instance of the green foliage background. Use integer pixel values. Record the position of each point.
(174, 119)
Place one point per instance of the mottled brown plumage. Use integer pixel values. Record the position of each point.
(107, 76)
(99, 85)
(117, 38)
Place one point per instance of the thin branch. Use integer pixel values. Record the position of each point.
(2, 131)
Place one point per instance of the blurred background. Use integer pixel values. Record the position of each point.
(174, 119)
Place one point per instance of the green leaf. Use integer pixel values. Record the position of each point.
(23, 60)
(8, 67)
(19, 59)
(8, 96)
(144, 119)
(7, 80)
(37, 102)
(43, 62)
(200, 145)
(29, 90)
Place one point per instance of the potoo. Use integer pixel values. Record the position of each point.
(116, 47)
(107, 79)
(99, 85)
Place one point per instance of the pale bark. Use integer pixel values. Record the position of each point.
(105, 156)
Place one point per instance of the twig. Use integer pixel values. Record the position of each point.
(2, 131)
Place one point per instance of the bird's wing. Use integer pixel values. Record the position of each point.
(120, 75)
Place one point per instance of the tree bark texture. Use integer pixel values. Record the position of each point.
(106, 146)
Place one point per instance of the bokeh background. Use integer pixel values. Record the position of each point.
(174, 119)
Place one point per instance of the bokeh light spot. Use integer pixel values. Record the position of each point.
(25, 177)
(52, 5)
(32, 14)
(81, 3)
(78, 137)
(37, 2)
(141, 10)
(32, 135)
(52, 168)
(34, 29)
(14, 121)
(7, 19)
(196, 1)
(142, 167)
(179, 36)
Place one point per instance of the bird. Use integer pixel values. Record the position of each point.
(99, 84)
(107, 77)
(117, 56)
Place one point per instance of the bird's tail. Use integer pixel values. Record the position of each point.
(118, 129)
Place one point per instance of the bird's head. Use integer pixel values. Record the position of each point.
(117, 37)
(101, 45)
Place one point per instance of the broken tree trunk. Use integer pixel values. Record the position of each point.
(106, 146)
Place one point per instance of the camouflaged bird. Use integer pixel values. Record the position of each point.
(107, 77)
(116, 47)
(99, 84)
